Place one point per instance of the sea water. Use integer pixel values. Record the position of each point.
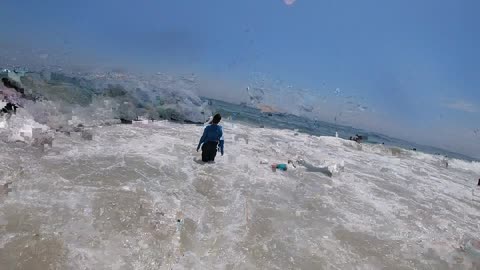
(138, 197)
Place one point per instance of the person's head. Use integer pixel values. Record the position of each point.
(478, 181)
(216, 118)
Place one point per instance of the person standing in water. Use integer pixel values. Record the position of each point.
(212, 139)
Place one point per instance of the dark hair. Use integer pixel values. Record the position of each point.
(216, 119)
(479, 181)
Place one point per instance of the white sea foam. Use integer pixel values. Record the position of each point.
(137, 197)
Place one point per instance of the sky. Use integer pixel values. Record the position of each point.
(414, 65)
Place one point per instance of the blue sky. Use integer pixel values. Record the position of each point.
(414, 63)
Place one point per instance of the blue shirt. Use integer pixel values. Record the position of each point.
(212, 133)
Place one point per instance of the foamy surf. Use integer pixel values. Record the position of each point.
(136, 197)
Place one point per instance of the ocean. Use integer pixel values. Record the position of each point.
(255, 116)
(79, 190)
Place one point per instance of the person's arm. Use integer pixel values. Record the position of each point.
(221, 141)
(202, 139)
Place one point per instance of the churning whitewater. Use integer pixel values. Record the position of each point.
(138, 197)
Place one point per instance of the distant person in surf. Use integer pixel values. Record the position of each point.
(476, 189)
(212, 140)
(9, 108)
(357, 138)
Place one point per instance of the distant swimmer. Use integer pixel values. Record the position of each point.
(212, 140)
(9, 108)
(476, 189)
(358, 138)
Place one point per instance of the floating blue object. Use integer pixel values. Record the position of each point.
(282, 167)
